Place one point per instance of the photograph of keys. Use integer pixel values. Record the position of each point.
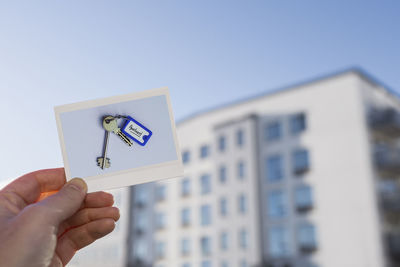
(110, 124)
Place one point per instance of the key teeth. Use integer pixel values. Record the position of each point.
(124, 138)
(107, 164)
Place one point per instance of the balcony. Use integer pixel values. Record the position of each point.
(393, 246)
(387, 160)
(307, 247)
(391, 211)
(277, 263)
(391, 203)
(304, 207)
(385, 122)
(299, 170)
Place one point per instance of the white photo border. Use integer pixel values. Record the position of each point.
(150, 173)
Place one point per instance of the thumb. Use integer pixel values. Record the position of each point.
(65, 202)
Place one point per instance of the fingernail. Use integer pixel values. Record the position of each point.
(78, 183)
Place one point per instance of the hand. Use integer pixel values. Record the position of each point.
(39, 231)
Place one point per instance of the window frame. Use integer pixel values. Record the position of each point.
(269, 134)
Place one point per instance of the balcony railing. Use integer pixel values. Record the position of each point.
(387, 160)
(393, 246)
(391, 204)
(385, 121)
(307, 247)
(304, 206)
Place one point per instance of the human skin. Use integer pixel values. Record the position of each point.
(44, 220)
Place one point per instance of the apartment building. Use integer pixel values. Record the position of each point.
(306, 176)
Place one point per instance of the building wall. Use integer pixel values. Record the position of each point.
(237, 187)
(340, 163)
(378, 100)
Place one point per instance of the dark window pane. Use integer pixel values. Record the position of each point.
(300, 161)
(297, 123)
(306, 238)
(303, 198)
(222, 174)
(221, 143)
(277, 204)
(185, 157)
(240, 137)
(205, 181)
(273, 131)
(274, 167)
(185, 187)
(204, 151)
(205, 215)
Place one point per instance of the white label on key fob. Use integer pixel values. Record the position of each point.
(136, 131)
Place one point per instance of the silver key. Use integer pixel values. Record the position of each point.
(110, 125)
(104, 162)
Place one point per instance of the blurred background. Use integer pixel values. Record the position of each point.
(287, 115)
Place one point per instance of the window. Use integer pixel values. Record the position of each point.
(160, 220)
(185, 187)
(223, 207)
(300, 161)
(274, 168)
(241, 169)
(242, 204)
(185, 217)
(205, 244)
(297, 123)
(222, 143)
(205, 215)
(140, 195)
(185, 246)
(140, 249)
(273, 131)
(276, 204)
(303, 197)
(141, 223)
(206, 263)
(185, 157)
(223, 241)
(243, 239)
(205, 181)
(161, 192)
(222, 174)
(204, 151)
(160, 250)
(243, 263)
(306, 237)
(278, 240)
(240, 138)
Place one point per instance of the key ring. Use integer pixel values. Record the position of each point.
(116, 117)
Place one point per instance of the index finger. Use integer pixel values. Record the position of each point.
(31, 185)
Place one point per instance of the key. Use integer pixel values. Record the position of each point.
(110, 125)
(104, 161)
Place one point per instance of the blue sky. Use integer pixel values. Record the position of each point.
(207, 52)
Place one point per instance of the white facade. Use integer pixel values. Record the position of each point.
(343, 215)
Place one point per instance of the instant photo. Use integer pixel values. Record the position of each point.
(135, 132)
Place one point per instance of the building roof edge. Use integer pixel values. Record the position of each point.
(357, 70)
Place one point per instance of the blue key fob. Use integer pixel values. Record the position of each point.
(136, 131)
